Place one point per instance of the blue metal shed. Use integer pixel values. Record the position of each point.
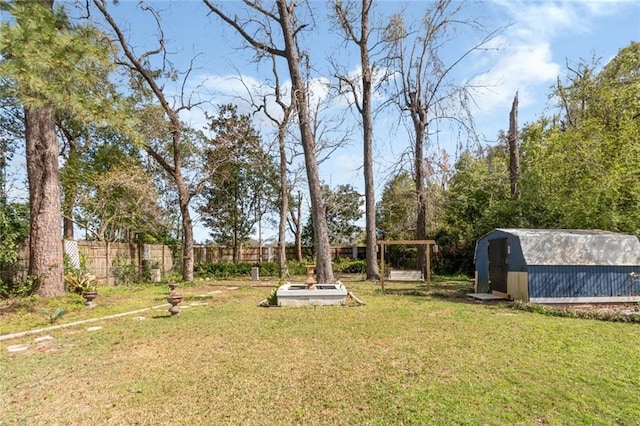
(559, 265)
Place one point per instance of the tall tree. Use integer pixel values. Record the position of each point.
(50, 66)
(243, 187)
(397, 208)
(347, 14)
(579, 167)
(425, 89)
(172, 161)
(281, 117)
(284, 17)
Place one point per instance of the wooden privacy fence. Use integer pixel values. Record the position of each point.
(108, 260)
(217, 254)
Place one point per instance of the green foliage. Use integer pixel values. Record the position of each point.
(350, 266)
(14, 230)
(19, 288)
(54, 315)
(272, 299)
(397, 209)
(124, 271)
(78, 280)
(49, 62)
(342, 209)
(106, 188)
(242, 179)
(225, 270)
(579, 167)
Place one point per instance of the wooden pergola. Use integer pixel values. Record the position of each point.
(426, 243)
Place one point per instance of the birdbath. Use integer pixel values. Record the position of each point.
(311, 270)
(174, 299)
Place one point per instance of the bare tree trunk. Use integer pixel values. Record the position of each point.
(514, 154)
(285, 19)
(284, 203)
(298, 224)
(324, 268)
(346, 15)
(45, 242)
(427, 90)
(187, 227)
(367, 125)
(68, 232)
(172, 166)
(419, 116)
(282, 125)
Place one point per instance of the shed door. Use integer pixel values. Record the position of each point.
(498, 265)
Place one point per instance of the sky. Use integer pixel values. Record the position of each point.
(536, 41)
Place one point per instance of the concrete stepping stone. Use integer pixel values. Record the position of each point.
(17, 348)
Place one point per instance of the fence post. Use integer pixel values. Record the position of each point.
(108, 264)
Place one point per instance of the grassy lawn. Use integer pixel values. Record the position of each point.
(415, 355)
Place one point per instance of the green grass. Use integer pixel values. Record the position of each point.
(406, 357)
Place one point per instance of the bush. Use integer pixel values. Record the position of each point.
(78, 280)
(225, 270)
(19, 288)
(124, 271)
(272, 299)
(350, 266)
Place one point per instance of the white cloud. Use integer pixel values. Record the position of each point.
(525, 59)
(520, 67)
(345, 167)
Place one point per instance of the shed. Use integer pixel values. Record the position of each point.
(559, 265)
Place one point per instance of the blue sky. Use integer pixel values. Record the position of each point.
(530, 54)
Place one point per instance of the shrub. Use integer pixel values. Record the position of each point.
(78, 280)
(54, 315)
(272, 299)
(19, 288)
(350, 266)
(224, 270)
(123, 270)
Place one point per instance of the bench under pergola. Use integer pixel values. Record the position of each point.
(406, 275)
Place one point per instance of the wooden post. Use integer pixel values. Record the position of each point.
(162, 264)
(382, 265)
(428, 250)
(107, 264)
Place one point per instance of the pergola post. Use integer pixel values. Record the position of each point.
(427, 243)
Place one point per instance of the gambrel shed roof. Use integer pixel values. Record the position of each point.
(576, 247)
